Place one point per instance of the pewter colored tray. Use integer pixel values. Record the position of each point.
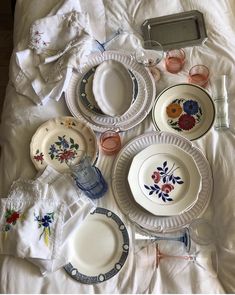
(176, 30)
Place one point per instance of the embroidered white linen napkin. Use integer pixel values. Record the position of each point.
(57, 44)
(38, 216)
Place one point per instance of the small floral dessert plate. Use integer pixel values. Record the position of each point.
(59, 140)
(164, 179)
(185, 109)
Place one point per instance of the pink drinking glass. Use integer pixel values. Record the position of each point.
(199, 74)
(175, 60)
(110, 142)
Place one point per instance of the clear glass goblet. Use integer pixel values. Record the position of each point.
(149, 53)
(201, 231)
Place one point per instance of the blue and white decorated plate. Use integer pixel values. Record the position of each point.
(99, 248)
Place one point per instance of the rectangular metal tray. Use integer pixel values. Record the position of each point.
(176, 30)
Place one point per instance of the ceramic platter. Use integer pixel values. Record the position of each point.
(113, 88)
(164, 179)
(99, 248)
(185, 109)
(86, 95)
(138, 109)
(61, 139)
(137, 213)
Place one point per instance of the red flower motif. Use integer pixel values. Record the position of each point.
(186, 122)
(14, 216)
(66, 155)
(39, 158)
(167, 188)
(156, 176)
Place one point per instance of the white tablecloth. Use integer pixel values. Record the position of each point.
(21, 118)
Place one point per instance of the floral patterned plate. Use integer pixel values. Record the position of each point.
(124, 197)
(59, 140)
(99, 248)
(164, 179)
(186, 109)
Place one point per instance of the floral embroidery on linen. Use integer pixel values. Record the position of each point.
(37, 40)
(11, 218)
(45, 223)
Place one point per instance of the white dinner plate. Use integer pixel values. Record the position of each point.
(164, 179)
(185, 109)
(137, 213)
(99, 248)
(61, 139)
(112, 88)
(138, 110)
(85, 92)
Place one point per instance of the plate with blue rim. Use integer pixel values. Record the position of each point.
(99, 248)
(86, 94)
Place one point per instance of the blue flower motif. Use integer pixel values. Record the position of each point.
(190, 107)
(46, 220)
(53, 149)
(64, 143)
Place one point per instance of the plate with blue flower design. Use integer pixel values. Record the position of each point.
(98, 248)
(164, 179)
(60, 140)
(186, 109)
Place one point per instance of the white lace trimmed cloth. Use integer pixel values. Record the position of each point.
(38, 216)
(57, 44)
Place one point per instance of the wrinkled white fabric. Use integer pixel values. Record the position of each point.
(21, 118)
(38, 216)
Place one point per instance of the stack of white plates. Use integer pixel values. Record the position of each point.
(161, 181)
(96, 99)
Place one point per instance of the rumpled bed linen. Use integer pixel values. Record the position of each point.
(21, 117)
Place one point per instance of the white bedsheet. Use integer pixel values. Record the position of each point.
(21, 118)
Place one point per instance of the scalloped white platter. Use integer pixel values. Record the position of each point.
(185, 109)
(164, 179)
(137, 111)
(112, 88)
(124, 197)
(60, 139)
(98, 248)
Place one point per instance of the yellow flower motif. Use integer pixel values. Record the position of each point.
(69, 123)
(173, 110)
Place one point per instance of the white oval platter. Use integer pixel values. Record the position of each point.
(60, 139)
(184, 109)
(164, 179)
(112, 88)
(138, 110)
(98, 248)
(137, 213)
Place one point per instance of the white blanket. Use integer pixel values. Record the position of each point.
(21, 117)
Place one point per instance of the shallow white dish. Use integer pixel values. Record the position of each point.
(137, 213)
(112, 88)
(99, 248)
(61, 139)
(138, 110)
(164, 179)
(85, 92)
(184, 109)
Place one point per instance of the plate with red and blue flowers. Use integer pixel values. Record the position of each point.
(60, 140)
(164, 179)
(186, 109)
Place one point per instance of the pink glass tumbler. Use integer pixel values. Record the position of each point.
(110, 142)
(199, 75)
(175, 60)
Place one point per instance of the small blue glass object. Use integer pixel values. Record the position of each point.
(89, 178)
